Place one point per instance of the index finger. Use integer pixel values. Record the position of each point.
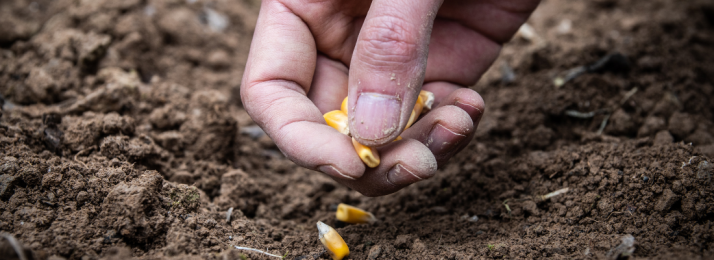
(278, 75)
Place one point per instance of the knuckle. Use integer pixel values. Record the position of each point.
(389, 40)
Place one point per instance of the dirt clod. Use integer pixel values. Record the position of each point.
(7, 186)
(403, 241)
(666, 201)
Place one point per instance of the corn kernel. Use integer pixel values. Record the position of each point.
(423, 104)
(343, 107)
(353, 215)
(337, 120)
(369, 155)
(415, 112)
(427, 99)
(336, 246)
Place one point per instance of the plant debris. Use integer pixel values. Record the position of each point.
(614, 62)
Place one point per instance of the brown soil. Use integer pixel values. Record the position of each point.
(122, 135)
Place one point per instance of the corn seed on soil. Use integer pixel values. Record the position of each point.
(122, 135)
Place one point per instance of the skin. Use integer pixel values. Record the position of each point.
(307, 55)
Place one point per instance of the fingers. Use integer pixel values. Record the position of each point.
(468, 40)
(497, 20)
(427, 144)
(387, 68)
(449, 94)
(451, 126)
(458, 54)
(329, 85)
(278, 75)
(403, 163)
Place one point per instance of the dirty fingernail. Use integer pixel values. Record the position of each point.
(400, 176)
(473, 111)
(332, 171)
(376, 116)
(442, 140)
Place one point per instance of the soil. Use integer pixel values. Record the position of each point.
(122, 135)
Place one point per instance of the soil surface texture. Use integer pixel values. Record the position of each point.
(122, 135)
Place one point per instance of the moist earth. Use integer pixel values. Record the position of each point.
(122, 135)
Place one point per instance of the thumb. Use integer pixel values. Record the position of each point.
(387, 67)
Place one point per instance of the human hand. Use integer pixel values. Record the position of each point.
(306, 56)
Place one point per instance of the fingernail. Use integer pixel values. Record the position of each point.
(474, 112)
(400, 176)
(330, 170)
(441, 140)
(376, 116)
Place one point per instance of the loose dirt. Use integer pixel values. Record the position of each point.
(122, 135)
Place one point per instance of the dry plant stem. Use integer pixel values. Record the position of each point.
(81, 152)
(553, 194)
(228, 214)
(256, 250)
(15, 245)
(687, 163)
(627, 96)
(578, 114)
(603, 125)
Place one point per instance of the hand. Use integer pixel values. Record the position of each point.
(306, 56)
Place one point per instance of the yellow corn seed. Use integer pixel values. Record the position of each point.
(369, 155)
(415, 112)
(337, 120)
(422, 105)
(336, 246)
(427, 100)
(343, 107)
(353, 215)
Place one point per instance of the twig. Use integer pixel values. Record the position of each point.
(615, 212)
(569, 75)
(256, 250)
(15, 245)
(584, 115)
(603, 125)
(228, 214)
(688, 163)
(80, 152)
(553, 194)
(508, 208)
(628, 95)
(578, 114)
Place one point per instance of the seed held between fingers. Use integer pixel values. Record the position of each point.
(369, 155)
(422, 105)
(337, 120)
(343, 107)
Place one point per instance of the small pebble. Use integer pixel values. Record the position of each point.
(645, 178)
